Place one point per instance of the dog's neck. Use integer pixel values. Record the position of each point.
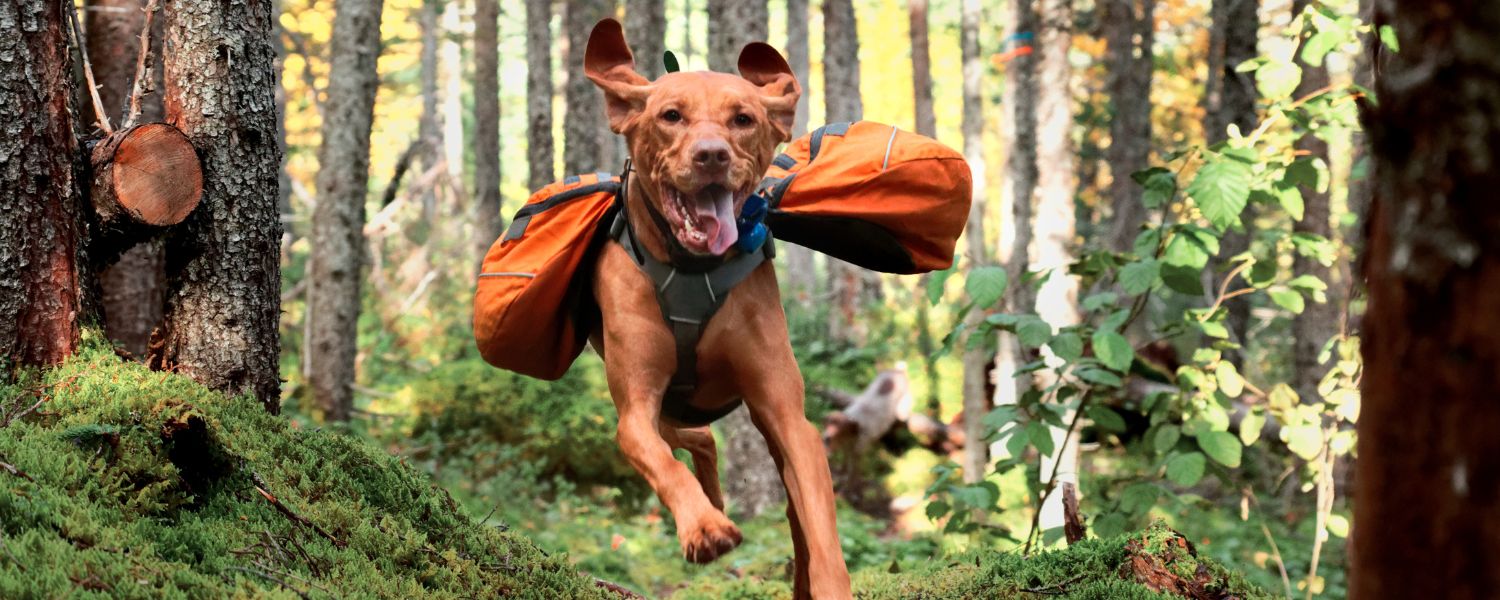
(652, 238)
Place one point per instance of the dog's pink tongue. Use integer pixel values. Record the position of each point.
(715, 211)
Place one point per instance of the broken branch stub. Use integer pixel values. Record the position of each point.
(146, 178)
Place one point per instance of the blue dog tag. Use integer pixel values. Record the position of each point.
(753, 231)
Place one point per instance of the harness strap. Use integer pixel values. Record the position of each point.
(688, 300)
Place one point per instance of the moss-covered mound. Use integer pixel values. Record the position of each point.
(1154, 564)
(120, 482)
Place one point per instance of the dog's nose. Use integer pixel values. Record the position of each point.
(711, 154)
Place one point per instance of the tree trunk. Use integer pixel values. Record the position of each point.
(925, 122)
(223, 272)
(646, 28)
(1018, 105)
(1129, 82)
(752, 481)
(1229, 99)
(1057, 299)
(40, 206)
(430, 124)
(976, 360)
(487, 123)
(731, 25)
(801, 274)
(851, 286)
(339, 220)
(583, 142)
(539, 148)
(451, 67)
(1319, 321)
(133, 287)
(1428, 505)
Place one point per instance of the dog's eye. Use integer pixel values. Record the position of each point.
(671, 116)
(744, 120)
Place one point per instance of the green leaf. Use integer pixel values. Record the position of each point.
(1033, 331)
(1305, 441)
(1106, 418)
(669, 61)
(1338, 525)
(937, 509)
(1040, 437)
(1222, 189)
(1100, 377)
(1138, 277)
(1250, 427)
(1185, 469)
(1067, 346)
(1388, 37)
(1139, 498)
(1186, 250)
(985, 285)
(937, 280)
(1214, 329)
(1308, 283)
(1221, 446)
(1277, 79)
(1288, 299)
(1166, 437)
(1291, 199)
(998, 418)
(1230, 382)
(1113, 350)
(1319, 45)
(1097, 301)
(1159, 186)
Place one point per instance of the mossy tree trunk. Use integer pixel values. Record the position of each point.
(338, 221)
(223, 272)
(40, 201)
(1427, 509)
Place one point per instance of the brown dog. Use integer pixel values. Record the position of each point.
(700, 143)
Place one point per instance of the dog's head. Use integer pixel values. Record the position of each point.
(700, 141)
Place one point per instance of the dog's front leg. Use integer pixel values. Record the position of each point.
(776, 407)
(703, 530)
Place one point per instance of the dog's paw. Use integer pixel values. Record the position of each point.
(712, 536)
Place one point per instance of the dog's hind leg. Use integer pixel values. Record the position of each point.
(801, 587)
(699, 442)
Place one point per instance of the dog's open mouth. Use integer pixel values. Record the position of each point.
(703, 219)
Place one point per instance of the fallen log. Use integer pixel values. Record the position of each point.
(146, 178)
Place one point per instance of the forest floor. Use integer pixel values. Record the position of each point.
(122, 482)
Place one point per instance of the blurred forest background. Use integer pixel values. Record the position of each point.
(1155, 313)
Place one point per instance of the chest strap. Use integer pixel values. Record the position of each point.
(688, 300)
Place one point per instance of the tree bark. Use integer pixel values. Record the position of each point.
(925, 122)
(1129, 83)
(731, 25)
(430, 124)
(540, 153)
(339, 220)
(133, 287)
(646, 28)
(223, 272)
(1319, 321)
(40, 205)
(1018, 104)
(1229, 99)
(801, 274)
(585, 131)
(487, 123)
(146, 178)
(1057, 299)
(451, 68)
(1427, 513)
(976, 360)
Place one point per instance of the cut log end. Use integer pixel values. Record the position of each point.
(148, 175)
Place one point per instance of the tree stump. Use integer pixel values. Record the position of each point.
(146, 178)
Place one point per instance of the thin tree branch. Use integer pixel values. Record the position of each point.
(88, 70)
(141, 60)
(1036, 517)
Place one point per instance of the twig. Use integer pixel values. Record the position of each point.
(1224, 293)
(1056, 588)
(290, 514)
(1036, 517)
(17, 472)
(615, 587)
(139, 87)
(88, 70)
(270, 577)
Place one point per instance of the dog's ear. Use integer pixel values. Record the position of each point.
(608, 63)
(762, 65)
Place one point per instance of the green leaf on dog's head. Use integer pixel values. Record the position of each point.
(669, 61)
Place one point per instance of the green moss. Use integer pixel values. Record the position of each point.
(130, 483)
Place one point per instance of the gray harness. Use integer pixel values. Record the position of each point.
(688, 299)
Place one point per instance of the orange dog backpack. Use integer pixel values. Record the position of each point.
(872, 195)
(866, 193)
(532, 310)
